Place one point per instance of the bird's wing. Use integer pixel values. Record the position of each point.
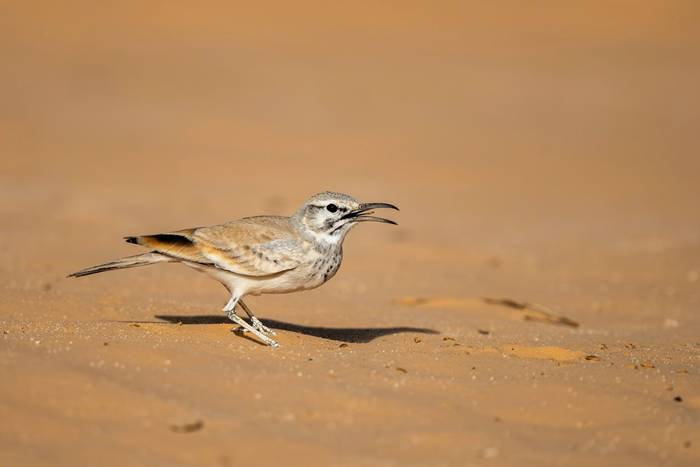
(255, 246)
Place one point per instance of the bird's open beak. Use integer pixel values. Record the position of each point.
(363, 213)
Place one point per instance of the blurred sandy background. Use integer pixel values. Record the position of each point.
(543, 152)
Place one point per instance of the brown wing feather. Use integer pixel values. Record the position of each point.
(252, 246)
(248, 246)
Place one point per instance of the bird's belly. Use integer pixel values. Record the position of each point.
(291, 281)
(304, 277)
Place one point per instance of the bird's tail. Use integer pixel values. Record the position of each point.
(129, 262)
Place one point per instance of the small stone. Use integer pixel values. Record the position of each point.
(187, 427)
(678, 399)
(483, 332)
(343, 345)
(402, 370)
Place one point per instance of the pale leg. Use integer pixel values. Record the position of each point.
(231, 314)
(257, 324)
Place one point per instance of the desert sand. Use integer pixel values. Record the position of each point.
(537, 305)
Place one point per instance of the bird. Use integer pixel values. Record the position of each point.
(261, 254)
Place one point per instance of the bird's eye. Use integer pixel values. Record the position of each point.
(332, 207)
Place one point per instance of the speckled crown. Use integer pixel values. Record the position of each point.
(330, 196)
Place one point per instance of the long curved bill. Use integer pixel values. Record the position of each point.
(364, 213)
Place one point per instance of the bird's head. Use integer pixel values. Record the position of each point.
(328, 216)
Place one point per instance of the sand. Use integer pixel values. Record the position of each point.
(537, 305)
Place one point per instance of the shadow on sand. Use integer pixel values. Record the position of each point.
(350, 335)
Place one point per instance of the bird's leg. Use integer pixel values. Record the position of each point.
(231, 314)
(257, 324)
(231, 304)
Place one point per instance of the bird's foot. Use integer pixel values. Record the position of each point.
(266, 340)
(245, 327)
(257, 324)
